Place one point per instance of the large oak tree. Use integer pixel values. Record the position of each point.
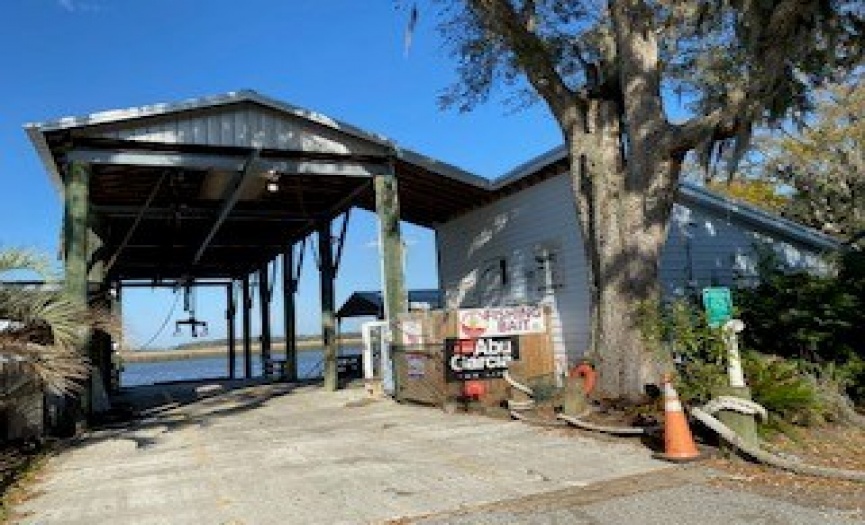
(607, 70)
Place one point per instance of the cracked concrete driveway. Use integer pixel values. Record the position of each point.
(273, 454)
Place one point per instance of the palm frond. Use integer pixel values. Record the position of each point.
(45, 331)
(12, 259)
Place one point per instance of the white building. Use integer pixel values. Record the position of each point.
(526, 247)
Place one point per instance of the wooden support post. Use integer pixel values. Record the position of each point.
(99, 347)
(289, 287)
(328, 328)
(247, 328)
(230, 311)
(387, 208)
(390, 240)
(264, 302)
(117, 344)
(75, 235)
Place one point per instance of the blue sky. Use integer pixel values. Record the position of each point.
(343, 58)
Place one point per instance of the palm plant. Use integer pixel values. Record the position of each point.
(43, 329)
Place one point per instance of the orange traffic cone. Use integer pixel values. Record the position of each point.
(678, 441)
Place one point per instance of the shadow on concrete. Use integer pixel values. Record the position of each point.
(139, 411)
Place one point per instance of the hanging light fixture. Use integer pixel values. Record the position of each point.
(272, 181)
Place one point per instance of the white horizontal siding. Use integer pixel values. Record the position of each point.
(708, 248)
(238, 125)
(516, 228)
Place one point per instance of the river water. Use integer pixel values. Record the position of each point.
(309, 366)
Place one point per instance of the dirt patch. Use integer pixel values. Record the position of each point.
(831, 447)
(19, 462)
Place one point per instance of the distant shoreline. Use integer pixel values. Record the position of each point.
(277, 349)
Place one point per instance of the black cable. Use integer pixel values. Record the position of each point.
(164, 323)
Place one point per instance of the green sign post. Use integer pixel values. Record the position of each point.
(718, 304)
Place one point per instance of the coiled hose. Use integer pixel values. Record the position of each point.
(703, 415)
(516, 408)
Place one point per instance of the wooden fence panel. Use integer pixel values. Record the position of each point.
(419, 361)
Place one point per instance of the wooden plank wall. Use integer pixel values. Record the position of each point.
(419, 359)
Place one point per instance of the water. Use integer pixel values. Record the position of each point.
(309, 366)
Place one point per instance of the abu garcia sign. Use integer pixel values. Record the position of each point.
(483, 358)
(489, 340)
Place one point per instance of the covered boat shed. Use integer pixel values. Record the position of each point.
(207, 192)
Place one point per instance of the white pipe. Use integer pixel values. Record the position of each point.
(734, 359)
(536, 421)
(519, 386)
(586, 425)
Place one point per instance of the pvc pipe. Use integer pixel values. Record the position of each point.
(734, 359)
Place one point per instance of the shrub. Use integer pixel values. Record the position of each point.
(788, 391)
(821, 319)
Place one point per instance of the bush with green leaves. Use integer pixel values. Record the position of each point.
(789, 391)
(816, 320)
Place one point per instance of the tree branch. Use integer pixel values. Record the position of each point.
(517, 30)
(772, 37)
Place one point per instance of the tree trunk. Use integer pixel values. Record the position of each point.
(623, 211)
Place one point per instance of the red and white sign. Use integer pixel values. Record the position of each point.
(490, 322)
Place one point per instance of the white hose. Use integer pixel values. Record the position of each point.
(519, 386)
(521, 405)
(536, 421)
(743, 406)
(561, 419)
(587, 425)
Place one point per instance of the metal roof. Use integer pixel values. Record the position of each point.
(179, 190)
(369, 303)
(555, 161)
(749, 214)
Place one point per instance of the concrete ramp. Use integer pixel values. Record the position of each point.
(274, 455)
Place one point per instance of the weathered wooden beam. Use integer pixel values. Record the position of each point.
(161, 213)
(264, 310)
(230, 311)
(230, 198)
(328, 324)
(75, 237)
(171, 283)
(131, 231)
(205, 161)
(289, 288)
(391, 248)
(247, 328)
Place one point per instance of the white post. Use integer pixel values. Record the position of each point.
(368, 354)
(734, 360)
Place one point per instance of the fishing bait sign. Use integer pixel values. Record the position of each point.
(481, 358)
(512, 320)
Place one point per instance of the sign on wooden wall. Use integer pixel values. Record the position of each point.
(484, 358)
(505, 321)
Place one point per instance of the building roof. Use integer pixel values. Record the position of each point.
(37, 130)
(555, 161)
(369, 303)
(180, 189)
